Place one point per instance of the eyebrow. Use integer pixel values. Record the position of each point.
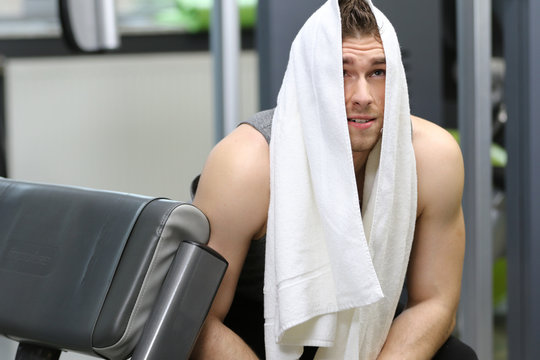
(347, 60)
(379, 61)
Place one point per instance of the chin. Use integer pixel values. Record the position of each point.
(363, 145)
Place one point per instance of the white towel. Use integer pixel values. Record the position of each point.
(333, 275)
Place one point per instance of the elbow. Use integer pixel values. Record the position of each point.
(452, 324)
(450, 316)
(441, 312)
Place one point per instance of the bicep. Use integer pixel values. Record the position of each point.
(231, 192)
(436, 262)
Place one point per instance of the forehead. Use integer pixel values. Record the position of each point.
(367, 46)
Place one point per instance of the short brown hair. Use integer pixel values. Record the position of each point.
(357, 19)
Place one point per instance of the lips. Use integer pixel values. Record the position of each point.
(360, 121)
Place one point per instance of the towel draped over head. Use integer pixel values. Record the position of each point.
(334, 272)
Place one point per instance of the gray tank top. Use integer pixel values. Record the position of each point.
(262, 121)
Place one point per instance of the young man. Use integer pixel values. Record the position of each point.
(234, 192)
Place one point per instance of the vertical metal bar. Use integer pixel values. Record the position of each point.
(425, 82)
(475, 322)
(215, 47)
(267, 92)
(278, 22)
(107, 28)
(3, 154)
(522, 94)
(225, 45)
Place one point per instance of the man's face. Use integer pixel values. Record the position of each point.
(364, 74)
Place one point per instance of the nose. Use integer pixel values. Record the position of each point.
(360, 93)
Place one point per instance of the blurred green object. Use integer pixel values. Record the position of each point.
(499, 281)
(195, 15)
(497, 152)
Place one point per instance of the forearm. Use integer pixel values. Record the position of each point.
(216, 341)
(418, 332)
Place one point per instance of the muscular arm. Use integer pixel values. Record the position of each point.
(435, 266)
(233, 192)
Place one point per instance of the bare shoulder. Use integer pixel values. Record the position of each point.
(432, 141)
(241, 157)
(439, 164)
(235, 181)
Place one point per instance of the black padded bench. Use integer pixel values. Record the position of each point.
(102, 273)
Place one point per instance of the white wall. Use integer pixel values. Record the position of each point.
(141, 124)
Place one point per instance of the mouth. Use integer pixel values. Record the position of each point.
(360, 121)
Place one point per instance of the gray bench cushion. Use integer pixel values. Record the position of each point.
(102, 257)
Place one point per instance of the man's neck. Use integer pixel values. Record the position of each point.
(359, 162)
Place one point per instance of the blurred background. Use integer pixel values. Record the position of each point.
(143, 116)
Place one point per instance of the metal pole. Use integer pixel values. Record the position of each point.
(89, 26)
(225, 45)
(475, 322)
(107, 26)
(522, 95)
(3, 153)
(278, 22)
